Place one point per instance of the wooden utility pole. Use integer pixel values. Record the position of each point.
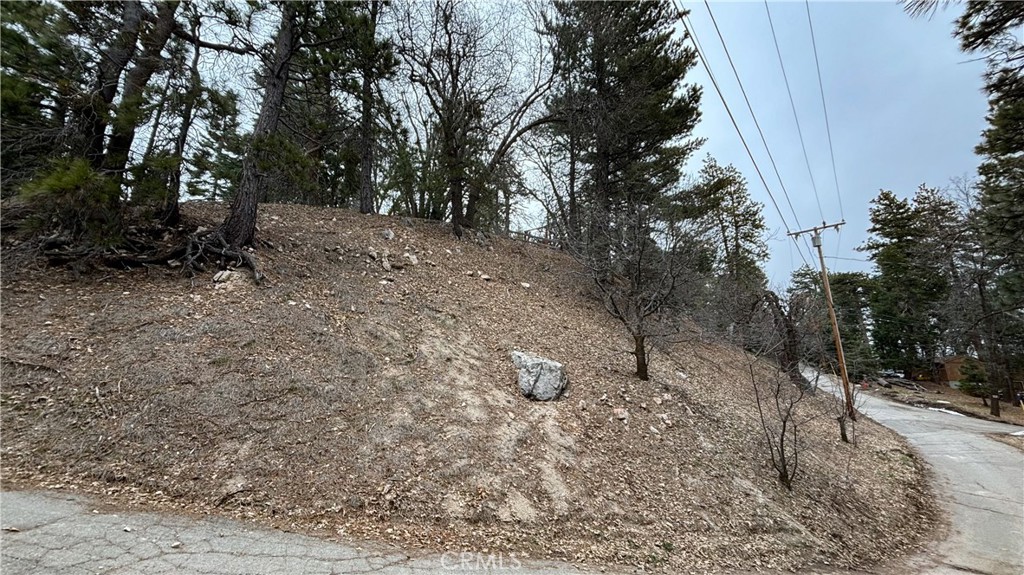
(816, 241)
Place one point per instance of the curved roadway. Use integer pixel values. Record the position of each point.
(981, 481)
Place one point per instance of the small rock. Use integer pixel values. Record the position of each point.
(176, 545)
(654, 430)
(525, 285)
(413, 260)
(485, 277)
(384, 263)
(372, 253)
(387, 234)
(127, 529)
(470, 274)
(621, 414)
(658, 401)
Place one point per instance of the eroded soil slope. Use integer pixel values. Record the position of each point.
(344, 399)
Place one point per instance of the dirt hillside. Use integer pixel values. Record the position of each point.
(347, 400)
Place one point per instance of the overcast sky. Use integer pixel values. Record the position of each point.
(905, 107)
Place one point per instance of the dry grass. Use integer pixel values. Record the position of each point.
(342, 399)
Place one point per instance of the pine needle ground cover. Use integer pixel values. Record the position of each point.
(347, 400)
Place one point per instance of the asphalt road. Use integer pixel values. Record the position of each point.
(980, 480)
(55, 533)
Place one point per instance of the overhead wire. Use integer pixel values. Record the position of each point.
(701, 54)
(750, 108)
(703, 59)
(824, 107)
(687, 25)
(792, 105)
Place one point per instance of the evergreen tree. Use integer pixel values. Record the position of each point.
(38, 83)
(621, 97)
(240, 226)
(739, 229)
(851, 296)
(910, 286)
(993, 29)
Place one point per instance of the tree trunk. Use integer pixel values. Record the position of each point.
(508, 213)
(789, 358)
(471, 207)
(640, 351)
(456, 187)
(170, 214)
(367, 143)
(573, 234)
(240, 226)
(158, 119)
(111, 65)
(129, 111)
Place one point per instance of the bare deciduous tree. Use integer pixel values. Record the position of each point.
(777, 401)
(481, 95)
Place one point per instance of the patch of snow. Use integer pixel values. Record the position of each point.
(945, 411)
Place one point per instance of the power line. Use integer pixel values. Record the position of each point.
(792, 105)
(821, 89)
(750, 108)
(847, 259)
(684, 20)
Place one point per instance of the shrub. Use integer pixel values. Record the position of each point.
(974, 379)
(74, 201)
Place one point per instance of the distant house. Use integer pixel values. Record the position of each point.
(947, 369)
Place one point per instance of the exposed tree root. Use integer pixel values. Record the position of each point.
(139, 246)
(211, 245)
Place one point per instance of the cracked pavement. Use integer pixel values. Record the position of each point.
(61, 534)
(980, 481)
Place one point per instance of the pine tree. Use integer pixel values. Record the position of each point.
(38, 78)
(993, 30)
(910, 286)
(738, 225)
(622, 100)
(240, 226)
